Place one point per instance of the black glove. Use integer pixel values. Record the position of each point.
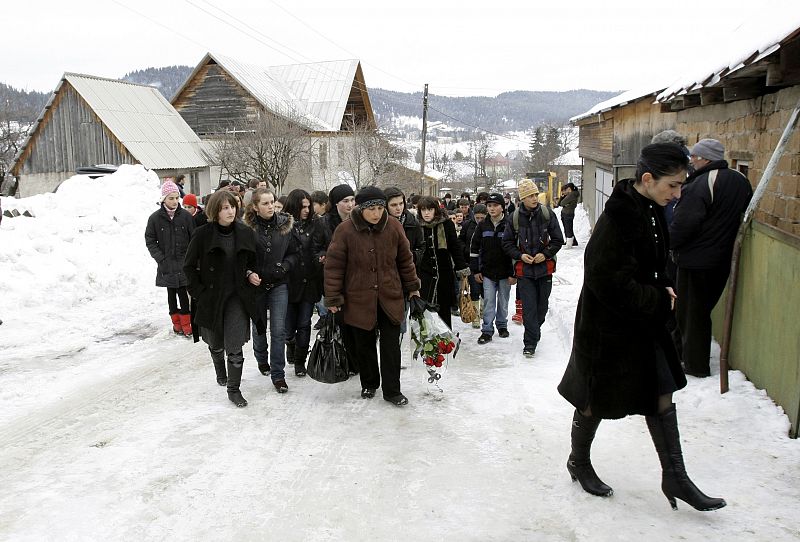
(417, 306)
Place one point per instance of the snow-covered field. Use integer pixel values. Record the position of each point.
(111, 428)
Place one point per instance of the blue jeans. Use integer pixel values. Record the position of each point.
(322, 310)
(535, 295)
(495, 304)
(298, 326)
(275, 300)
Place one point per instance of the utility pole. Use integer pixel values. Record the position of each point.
(424, 135)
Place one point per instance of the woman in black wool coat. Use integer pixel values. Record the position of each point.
(305, 282)
(443, 252)
(623, 360)
(219, 265)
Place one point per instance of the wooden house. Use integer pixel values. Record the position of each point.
(91, 120)
(328, 99)
(744, 100)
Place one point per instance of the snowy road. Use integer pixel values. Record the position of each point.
(159, 453)
(113, 429)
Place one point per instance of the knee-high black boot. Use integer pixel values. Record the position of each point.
(675, 483)
(218, 357)
(579, 463)
(235, 362)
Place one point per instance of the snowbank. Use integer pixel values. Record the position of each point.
(79, 271)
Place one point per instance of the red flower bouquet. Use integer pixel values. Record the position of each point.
(433, 341)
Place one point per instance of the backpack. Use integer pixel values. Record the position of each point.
(545, 219)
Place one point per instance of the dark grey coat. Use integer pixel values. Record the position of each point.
(167, 241)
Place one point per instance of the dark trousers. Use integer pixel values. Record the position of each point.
(535, 295)
(360, 345)
(698, 291)
(298, 326)
(175, 294)
(567, 220)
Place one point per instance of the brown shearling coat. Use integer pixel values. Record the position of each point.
(366, 265)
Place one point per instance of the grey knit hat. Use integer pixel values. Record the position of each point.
(710, 149)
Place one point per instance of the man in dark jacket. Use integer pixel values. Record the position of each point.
(568, 203)
(491, 267)
(702, 234)
(531, 239)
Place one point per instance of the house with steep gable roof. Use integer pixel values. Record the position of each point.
(92, 120)
(329, 100)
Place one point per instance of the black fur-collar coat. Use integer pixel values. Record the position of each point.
(622, 311)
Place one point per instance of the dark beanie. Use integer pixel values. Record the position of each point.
(497, 198)
(339, 192)
(369, 196)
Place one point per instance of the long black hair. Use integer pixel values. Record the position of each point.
(294, 204)
(661, 160)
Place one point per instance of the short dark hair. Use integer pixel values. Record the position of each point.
(217, 200)
(253, 183)
(319, 197)
(429, 202)
(463, 201)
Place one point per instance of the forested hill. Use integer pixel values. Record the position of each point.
(509, 111)
(168, 79)
(20, 105)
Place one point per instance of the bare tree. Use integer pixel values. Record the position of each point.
(16, 120)
(479, 150)
(368, 156)
(268, 149)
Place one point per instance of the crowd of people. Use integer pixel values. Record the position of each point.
(249, 261)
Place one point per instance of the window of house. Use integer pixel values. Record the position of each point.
(340, 150)
(742, 167)
(323, 155)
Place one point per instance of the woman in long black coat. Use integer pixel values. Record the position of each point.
(623, 360)
(443, 253)
(219, 265)
(305, 282)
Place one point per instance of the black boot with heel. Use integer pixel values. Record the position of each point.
(218, 357)
(675, 483)
(235, 363)
(579, 464)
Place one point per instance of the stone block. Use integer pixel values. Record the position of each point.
(793, 209)
(779, 207)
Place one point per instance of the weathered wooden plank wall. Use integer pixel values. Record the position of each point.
(70, 136)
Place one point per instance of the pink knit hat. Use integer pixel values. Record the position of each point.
(168, 188)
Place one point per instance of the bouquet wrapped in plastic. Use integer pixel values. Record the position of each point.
(433, 340)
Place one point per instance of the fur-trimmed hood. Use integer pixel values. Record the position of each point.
(283, 222)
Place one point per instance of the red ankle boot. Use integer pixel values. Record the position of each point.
(176, 323)
(186, 324)
(517, 317)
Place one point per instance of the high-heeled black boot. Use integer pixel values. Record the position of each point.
(218, 357)
(675, 483)
(579, 463)
(235, 363)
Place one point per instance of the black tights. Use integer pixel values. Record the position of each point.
(173, 295)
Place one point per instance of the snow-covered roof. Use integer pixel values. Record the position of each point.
(142, 120)
(759, 36)
(571, 158)
(621, 99)
(316, 93)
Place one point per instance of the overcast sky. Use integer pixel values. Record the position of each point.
(459, 47)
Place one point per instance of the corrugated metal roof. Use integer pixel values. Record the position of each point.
(315, 92)
(143, 120)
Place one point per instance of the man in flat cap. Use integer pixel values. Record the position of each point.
(702, 235)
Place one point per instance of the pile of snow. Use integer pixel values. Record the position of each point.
(78, 271)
